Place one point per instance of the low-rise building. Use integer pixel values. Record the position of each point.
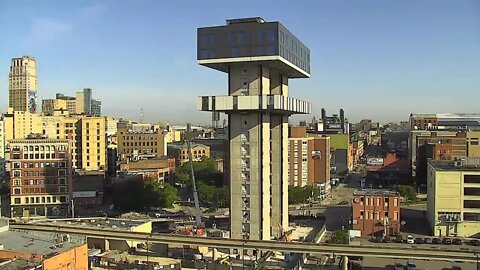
(180, 152)
(135, 140)
(88, 189)
(41, 176)
(376, 212)
(453, 201)
(156, 168)
(41, 250)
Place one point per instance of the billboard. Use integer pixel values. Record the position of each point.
(32, 101)
(375, 161)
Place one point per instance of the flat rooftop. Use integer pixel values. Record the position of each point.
(373, 192)
(47, 244)
(18, 264)
(442, 165)
(101, 223)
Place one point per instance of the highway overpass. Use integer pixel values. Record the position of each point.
(407, 252)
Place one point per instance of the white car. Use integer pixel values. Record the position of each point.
(410, 239)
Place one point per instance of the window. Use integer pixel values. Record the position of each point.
(241, 37)
(17, 200)
(271, 35)
(361, 214)
(235, 52)
(472, 179)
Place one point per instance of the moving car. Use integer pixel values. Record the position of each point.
(410, 239)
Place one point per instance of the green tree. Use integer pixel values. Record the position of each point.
(302, 194)
(408, 192)
(340, 237)
(168, 195)
(205, 171)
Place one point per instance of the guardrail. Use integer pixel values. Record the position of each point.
(292, 247)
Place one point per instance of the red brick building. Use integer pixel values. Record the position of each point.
(376, 211)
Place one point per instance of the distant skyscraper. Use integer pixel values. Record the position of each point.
(22, 84)
(96, 107)
(259, 58)
(84, 101)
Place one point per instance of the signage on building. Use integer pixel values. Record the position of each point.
(316, 154)
(375, 161)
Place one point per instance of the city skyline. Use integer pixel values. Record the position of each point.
(119, 48)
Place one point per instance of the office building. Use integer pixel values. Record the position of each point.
(376, 212)
(445, 121)
(29, 250)
(91, 144)
(84, 101)
(308, 159)
(22, 85)
(453, 200)
(259, 58)
(180, 152)
(41, 176)
(96, 109)
(82, 104)
(137, 140)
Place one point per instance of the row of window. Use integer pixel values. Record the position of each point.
(18, 173)
(39, 182)
(370, 201)
(139, 143)
(30, 165)
(39, 156)
(40, 200)
(139, 138)
(370, 215)
(31, 148)
(38, 190)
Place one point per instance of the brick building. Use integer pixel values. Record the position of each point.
(374, 211)
(140, 140)
(157, 168)
(41, 178)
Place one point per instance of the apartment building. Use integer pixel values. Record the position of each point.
(40, 180)
(309, 159)
(180, 152)
(22, 85)
(453, 201)
(136, 140)
(376, 212)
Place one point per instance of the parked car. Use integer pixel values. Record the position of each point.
(399, 238)
(427, 240)
(418, 240)
(475, 242)
(386, 239)
(410, 239)
(447, 241)
(436, 241)
(411, 265)
(398, 266)
(457, 241)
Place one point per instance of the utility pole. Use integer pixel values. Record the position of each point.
(198, 219)
(73, 208)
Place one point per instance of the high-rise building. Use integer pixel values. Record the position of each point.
(22, 85)
(84, 101)
(309, 159)
(96, 109)
(259, 58)
(40, 178)
(2, 148)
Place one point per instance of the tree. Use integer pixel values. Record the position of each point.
(302, 194)
(205, 171)
(168, 195)
(408, 192)
(339, 237)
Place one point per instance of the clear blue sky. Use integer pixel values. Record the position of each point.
(376, 59)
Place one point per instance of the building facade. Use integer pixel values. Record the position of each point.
(376, 212)
(453, 199)
(2, 149)
(136, 140)
(445, 121)
(22, 85)
(309, 159)
(41, 176)
(259, 58)
(159, 169)
(180, 152)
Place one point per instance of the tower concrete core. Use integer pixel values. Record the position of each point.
(259, 58)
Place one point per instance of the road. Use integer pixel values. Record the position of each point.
(295, 247)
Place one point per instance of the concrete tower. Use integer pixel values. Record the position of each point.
(259, 58)
(22, 85)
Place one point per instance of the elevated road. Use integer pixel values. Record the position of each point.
(407, 252)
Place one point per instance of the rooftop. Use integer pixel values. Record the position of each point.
(18, 264)
(448, 165)
(373, 192)
(44, 243)
(100, 223)
(184, 145)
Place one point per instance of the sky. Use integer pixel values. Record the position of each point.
(377, 59)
